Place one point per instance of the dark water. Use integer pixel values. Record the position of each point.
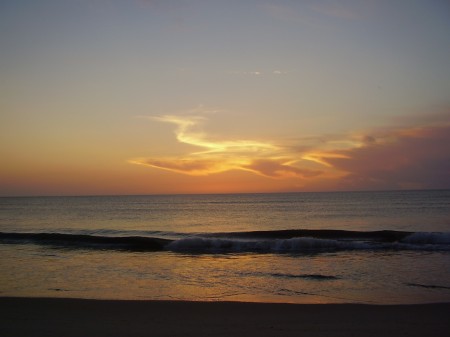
(369, 247)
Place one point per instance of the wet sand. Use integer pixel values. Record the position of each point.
(103, 318)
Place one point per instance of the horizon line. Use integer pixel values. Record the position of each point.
(218, 193)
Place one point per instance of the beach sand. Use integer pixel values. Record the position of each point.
(97, 318)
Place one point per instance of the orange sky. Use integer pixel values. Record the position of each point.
(150, 97)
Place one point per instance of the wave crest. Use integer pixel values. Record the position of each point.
(236, 243)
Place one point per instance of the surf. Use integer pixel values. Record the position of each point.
(279, 241)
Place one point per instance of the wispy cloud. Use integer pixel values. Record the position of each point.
(279, 168)
(408, 157)
(266, 72)
(187, 132)
(214, 156)
(248, 73)
(194, 166)
(279, 72)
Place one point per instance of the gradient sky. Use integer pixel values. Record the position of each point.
(149, 97)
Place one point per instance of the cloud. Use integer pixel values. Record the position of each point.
(266, 72)
(215, 156)
(195, 167)
(389, 158)
(188, 132)
(251, 73)
(276, 169)
(270, 168)
(405, 158)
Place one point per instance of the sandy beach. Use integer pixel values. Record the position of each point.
(98, 318)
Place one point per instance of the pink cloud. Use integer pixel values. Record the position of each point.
(414, 158)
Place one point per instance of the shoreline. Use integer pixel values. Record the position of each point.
(26, 316)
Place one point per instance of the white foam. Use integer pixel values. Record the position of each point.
(417, 241)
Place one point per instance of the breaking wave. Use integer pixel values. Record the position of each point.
(287, 241)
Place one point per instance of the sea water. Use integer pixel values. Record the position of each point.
(341, 247)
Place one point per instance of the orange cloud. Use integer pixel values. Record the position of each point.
(275, 169)
(196, 167)
(260, 157)
(409, 157)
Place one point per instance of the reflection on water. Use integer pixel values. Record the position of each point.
(381, 272)
(361, 277)
(396, 210)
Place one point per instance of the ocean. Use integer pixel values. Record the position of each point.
(340, 247)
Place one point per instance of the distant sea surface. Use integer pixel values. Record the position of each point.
(340, 247)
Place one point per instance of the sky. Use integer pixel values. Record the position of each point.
(108, 97)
